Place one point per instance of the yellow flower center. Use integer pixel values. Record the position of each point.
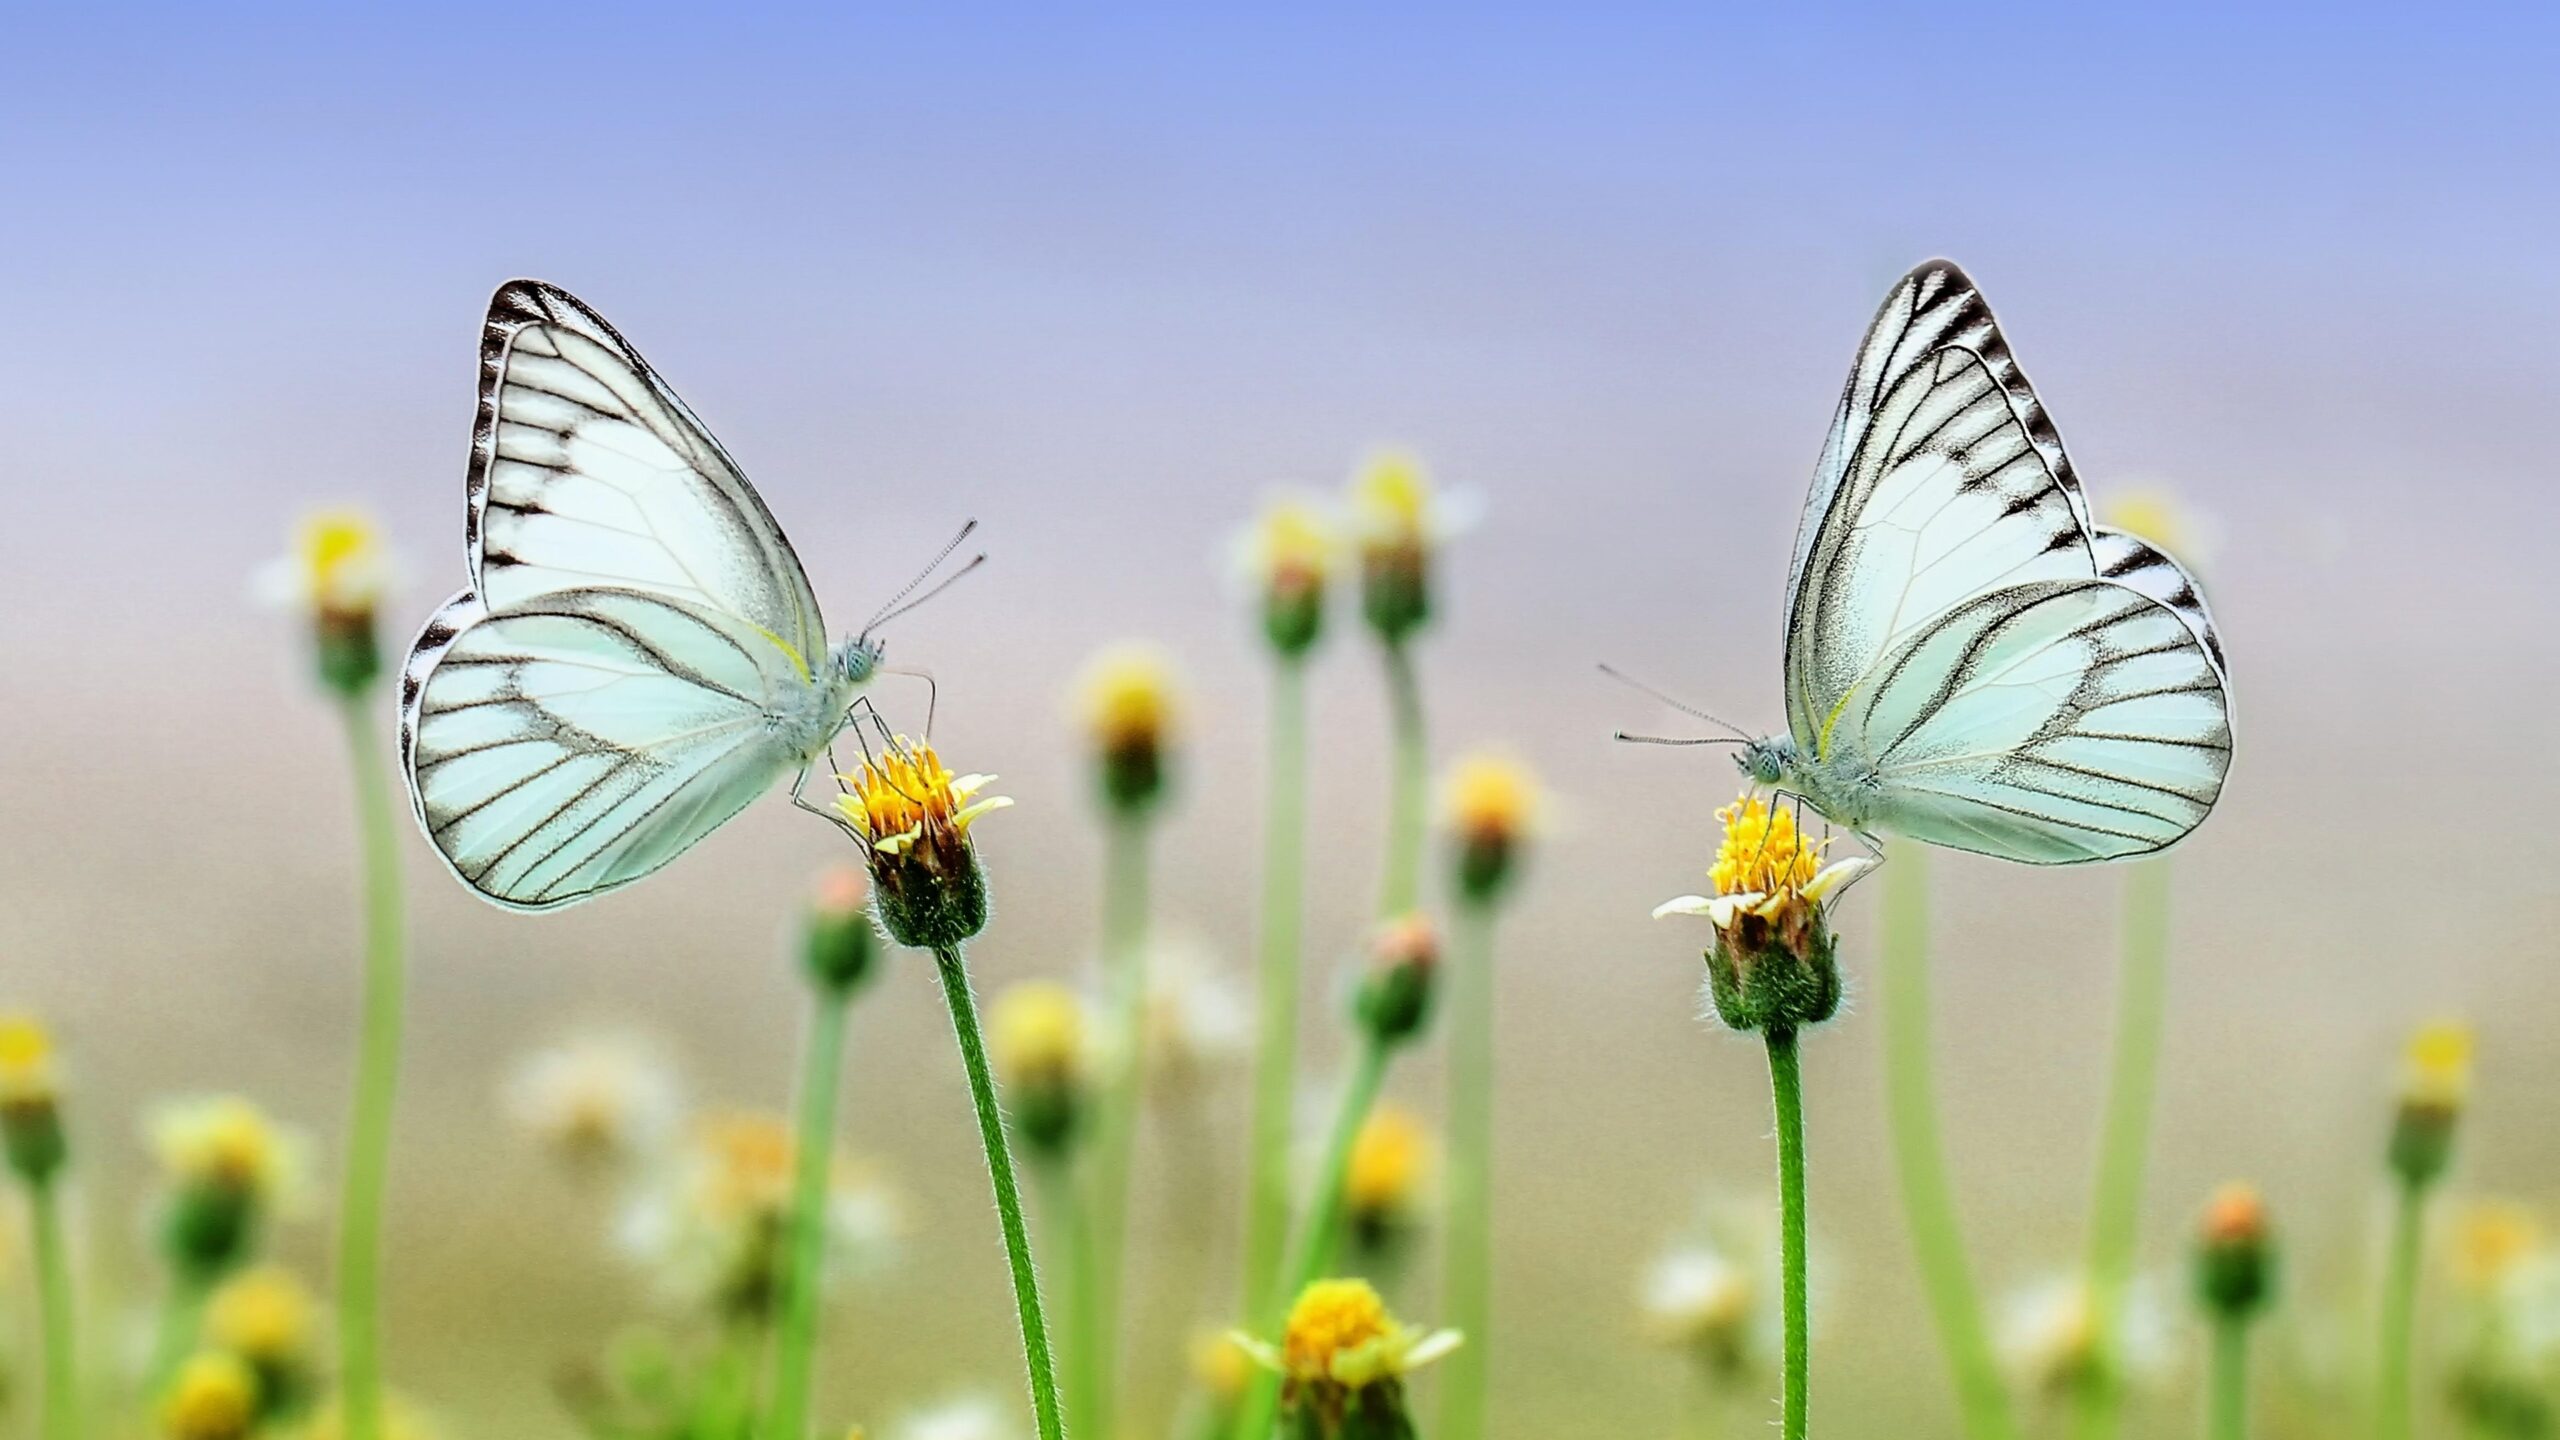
(1763, 852)
(263, 1315)
(1038, 1032)
(2495, 1238)
(215, 1397)
(341, 555)
(1386, 1161)
(26, 1059)
(1292, 546)
(1491, 800)
(1331, 1318)
(907, 794)
(2439, 1066)
(226, 1141)
(1128, 698)
(1393, 496)
(1222, 1366)
(748, 1165)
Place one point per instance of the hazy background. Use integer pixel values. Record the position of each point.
(1098, 280)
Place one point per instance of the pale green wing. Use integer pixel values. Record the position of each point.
(577, 740)
(587, 471)
(2051, 722)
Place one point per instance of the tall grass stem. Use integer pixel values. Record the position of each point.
(1467, 1288)
(368, 1160)
(1401, 887)
(813, 1155)
(1919, 1152)
(56, 1308)
(2392, 1402)
(2229, 1419)
(1276, 1042)
(1124, 959)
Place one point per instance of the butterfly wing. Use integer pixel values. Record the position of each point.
(586, 471)
(1945, 513)
(577, 740)
(2051, 722)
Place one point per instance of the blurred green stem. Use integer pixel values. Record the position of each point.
(377, 1081)
(2142, 1013)
(2230, 1419)
(1085, 1345)
(2391, 1409)
(181, 1319)
(1124, 958)
(1467, 1269)
(1036, 1358)
(1276, 1046)
(1919, 1151)
(813, 1155)
(54, 1303)
(1320, 1227)
(1401, 890)
(1786, 1089)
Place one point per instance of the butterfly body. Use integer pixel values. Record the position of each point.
(1971, 661)
(638, 655)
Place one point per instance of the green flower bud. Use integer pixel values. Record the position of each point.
(1394, 999)
(840, 941)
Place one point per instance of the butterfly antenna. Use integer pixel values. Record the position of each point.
(945, 583)
(1684, 707)
(1677, 739)
(898, 606)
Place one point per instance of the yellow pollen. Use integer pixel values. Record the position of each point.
(341, 557)
(908, 793)
(1332, 1316)
(1763, 852)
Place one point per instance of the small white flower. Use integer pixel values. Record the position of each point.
(2048, 1334)
(596, 1097)
(966, 1417)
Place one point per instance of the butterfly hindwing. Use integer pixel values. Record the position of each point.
(580, 739)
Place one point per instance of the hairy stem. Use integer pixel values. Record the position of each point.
(1786, 1089)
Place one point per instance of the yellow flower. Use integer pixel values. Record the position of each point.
(1037, 1032)
(2437, 1073)
(1389, 1159)
(1393, 505)
(338, 567)
(26, 1062)
(1765, 866)
(1340, 1337)
(714, 1231)
(1126, 697)
(595, 1098)
(909, 800)
(2157, 515)
(225, 1142)
(264, 1316)
(1492, 806)
(1698, 1298)
(1292, 547)
(2492, 1241)
(214, 1397)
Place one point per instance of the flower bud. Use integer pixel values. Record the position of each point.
(1394, 999)
(214, 1397)
(1773, 964)
(1399, 529)
(1036, 1034)
(1344, 1360)
(839, 941)
(2235, 1253)
(1128, 709)
(2435, 1085)
(1493, 805)
(335, 577)
(1382, 1186)
(1288, 559)
(30, 1101)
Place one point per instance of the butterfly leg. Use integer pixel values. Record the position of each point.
(932, 692)
(830, 816)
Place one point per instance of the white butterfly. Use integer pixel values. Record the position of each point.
(1969, 660)
(639, 654)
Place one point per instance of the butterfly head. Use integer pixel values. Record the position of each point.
(1768, 760)
(858, 659)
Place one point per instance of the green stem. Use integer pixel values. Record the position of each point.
(2142, 1013)
(1919, 1152)
(1036, 1358)
(1276, 1046)
(181, 1320)
(1786, 1090)
(2392, 1417)
(1401, 890)
(1319, 1230)
(54, 1303)
(377, 1083)
(813, 1156)
(2230, 1418)
(1467, 1266)
(1124, 958)
(1085, 1344)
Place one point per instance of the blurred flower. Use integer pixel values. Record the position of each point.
(267, 1318)
(2049, 1334)
(1344, 1359)
(715, 1229)
(1400, 522)
(2235, 1252)
(1382, 1187)
(1288, 557)
(2435, 1084)
(1223, 1368)
(2490, 1240)
(30, 1099)
(335, 575)
(2506, 1357)
(594, 1100)
(229, 1168)
(1773, 961)
(1698, 1299)
(1126, 701)
(1036, 1034)
(914, 816)
(400, 1421)
(214, 1397)
(1197, 1021)
(2160, 516)
(1493, 806)
(1394, 998)
(838, 940)
(970, 1417)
